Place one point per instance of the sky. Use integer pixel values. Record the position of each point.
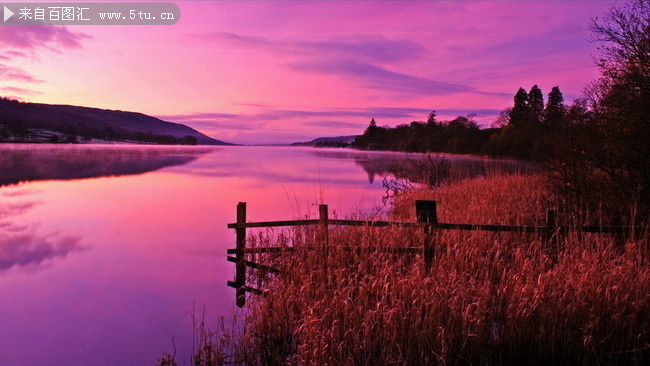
(266, 72)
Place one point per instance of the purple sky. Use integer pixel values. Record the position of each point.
(277, 72)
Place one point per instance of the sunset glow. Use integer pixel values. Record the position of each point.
(279, 72)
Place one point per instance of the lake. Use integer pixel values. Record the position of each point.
(106, 251)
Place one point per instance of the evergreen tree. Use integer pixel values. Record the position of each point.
(555, 110)
(535, 105)
(519, 112)
(370, 138)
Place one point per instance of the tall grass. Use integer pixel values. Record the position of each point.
(489, 298)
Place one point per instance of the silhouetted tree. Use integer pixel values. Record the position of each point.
(431, 119)
(555, 110)
(519, 113)
(370, 137)
(623, 117)
(605, 166)
(535, 105)
(504, 118)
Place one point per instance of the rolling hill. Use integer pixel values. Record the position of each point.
(33, 121)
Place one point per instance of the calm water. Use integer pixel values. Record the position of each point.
(106, 250)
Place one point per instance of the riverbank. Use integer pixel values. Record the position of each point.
(490, 298)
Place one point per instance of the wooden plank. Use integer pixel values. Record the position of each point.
(330, 222)
(347, 248)
(262, 250)
(383, 249)
(374, 223)
(258, 266)
(272, 224)
(439, 225)
(480, 227)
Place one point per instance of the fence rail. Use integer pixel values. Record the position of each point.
(427, 220)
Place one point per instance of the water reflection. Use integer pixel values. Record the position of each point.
(132, 253)
(20, 163)
(28, 250)
(416, 167)
(397, 172)
(8, 210)
(21, 246)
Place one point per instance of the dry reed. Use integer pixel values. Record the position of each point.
(489, 298)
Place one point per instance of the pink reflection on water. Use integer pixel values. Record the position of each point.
(107, 269)
(112, 265)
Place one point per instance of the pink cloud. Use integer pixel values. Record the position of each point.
(274, 71)
(352, 58)
(14, 54)
(54, 38)
(377, 77)
(16, 74)
(21, 41)
(22, 91)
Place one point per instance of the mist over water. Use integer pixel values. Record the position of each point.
(105, 251)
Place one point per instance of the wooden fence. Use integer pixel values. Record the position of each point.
(427, 220)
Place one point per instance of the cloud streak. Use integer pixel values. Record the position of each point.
(376, 77)
(12, 89)
(360, 47)
(354, 58)
(16, 74)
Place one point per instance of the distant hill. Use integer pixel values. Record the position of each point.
(23, 122)
(339, 141)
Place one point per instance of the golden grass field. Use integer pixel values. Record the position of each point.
(489, 298)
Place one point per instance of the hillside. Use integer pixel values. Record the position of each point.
(34, 122)
(339, 141)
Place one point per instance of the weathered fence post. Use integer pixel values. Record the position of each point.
(323, 221)
(426, 212)
(240, 274)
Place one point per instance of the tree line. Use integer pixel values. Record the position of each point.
(522, 131)
(596, 150)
